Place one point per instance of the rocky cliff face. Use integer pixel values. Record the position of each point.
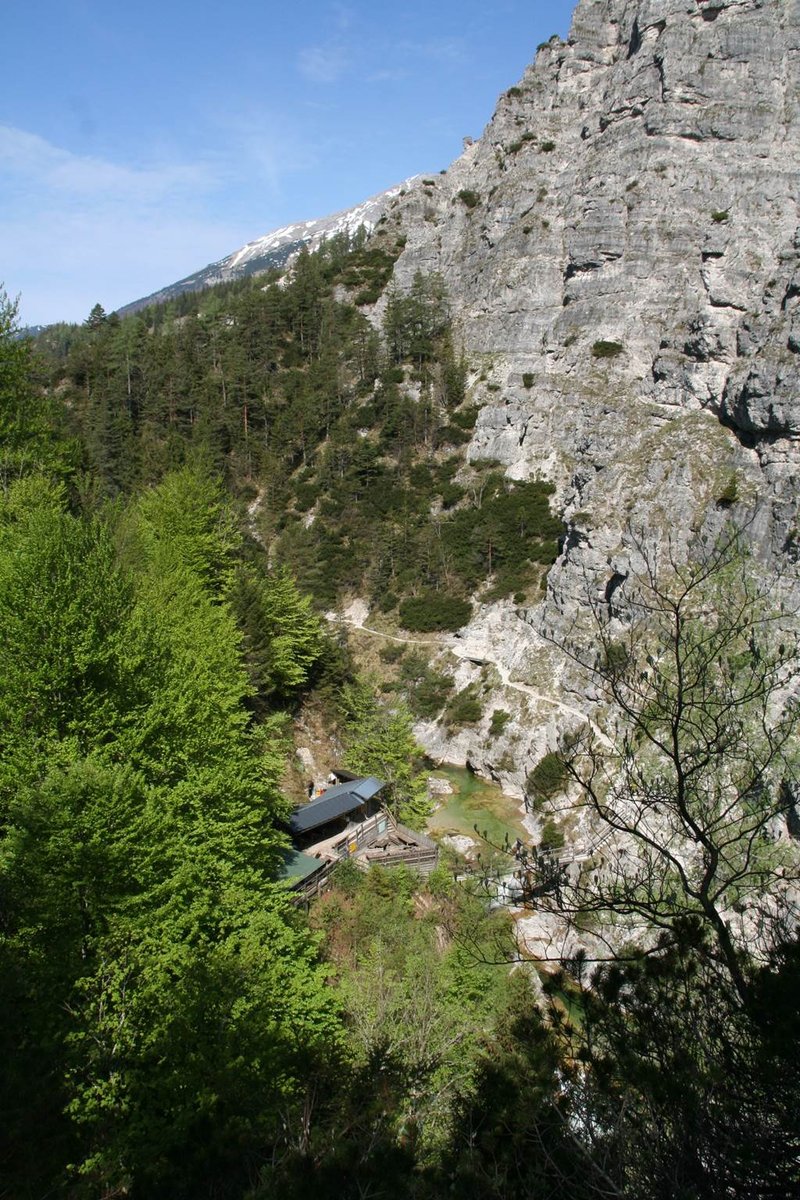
(622, 250)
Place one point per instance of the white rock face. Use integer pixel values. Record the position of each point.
(622, 253)
(460, 843)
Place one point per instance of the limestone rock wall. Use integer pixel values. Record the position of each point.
(622, 252)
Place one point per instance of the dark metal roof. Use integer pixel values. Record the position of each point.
(333, 803)
(344, 776)
(365, 788)
(296, 867)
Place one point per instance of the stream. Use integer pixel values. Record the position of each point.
(475, 801)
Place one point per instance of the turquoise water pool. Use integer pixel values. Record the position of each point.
(475, 801)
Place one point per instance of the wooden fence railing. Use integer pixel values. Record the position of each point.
(418, 851)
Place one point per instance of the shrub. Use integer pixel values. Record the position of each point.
(729, 494)
(430, 694)
(433, 611)
(548, 777)
(615, 658)
(347, 877)
(514, 91)
(451, 493)
(515, 146)
(720, 217)
(545, 552)
(547, 147)
(469, 198)
(500, 719)
(467, 417)
(527, 380)
(464, 709)
(552, 837)
(603, 349)
(392, 652)
(426, 690)
(305, 495)
(450, 435)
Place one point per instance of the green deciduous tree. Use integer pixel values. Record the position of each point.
(30, 434)
(380, 742)
(155, 977)
(282, 635)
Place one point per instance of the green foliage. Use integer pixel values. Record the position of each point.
(379, 741)
(420, 1006)
(282, 634)
(505, 532)
(603, 349)
(466, 418)
(469, 198)
(426, 690)
(392, 652)
(156, 978)
(706, 1090)
(548, 777)
(719, 218)
(547, 147)
(500, 718)
(290, 397)
(31, 438)
(614, 658)
(527, 380)
(434, 611)
(415, 320)
(729, 494)
(516, 146)
(463, 709)
(552, 837)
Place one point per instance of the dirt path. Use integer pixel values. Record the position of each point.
(453, 645)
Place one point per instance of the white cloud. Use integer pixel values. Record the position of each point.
(324, 63)
(343, 16)
(26, 157)
(442, 50)
(75, 229)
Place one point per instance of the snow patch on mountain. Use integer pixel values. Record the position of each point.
(275, 249)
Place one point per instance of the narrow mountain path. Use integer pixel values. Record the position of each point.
(452, 644)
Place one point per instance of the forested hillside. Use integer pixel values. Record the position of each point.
(181, 492)
(346, 440)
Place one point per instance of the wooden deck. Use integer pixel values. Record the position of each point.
(380, 841)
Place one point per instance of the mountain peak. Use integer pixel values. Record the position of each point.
(274, 249)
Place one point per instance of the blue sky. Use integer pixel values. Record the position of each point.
(140, 141)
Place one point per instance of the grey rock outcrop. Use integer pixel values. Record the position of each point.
(622, 252)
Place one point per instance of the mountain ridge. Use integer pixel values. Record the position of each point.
(273, 250)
